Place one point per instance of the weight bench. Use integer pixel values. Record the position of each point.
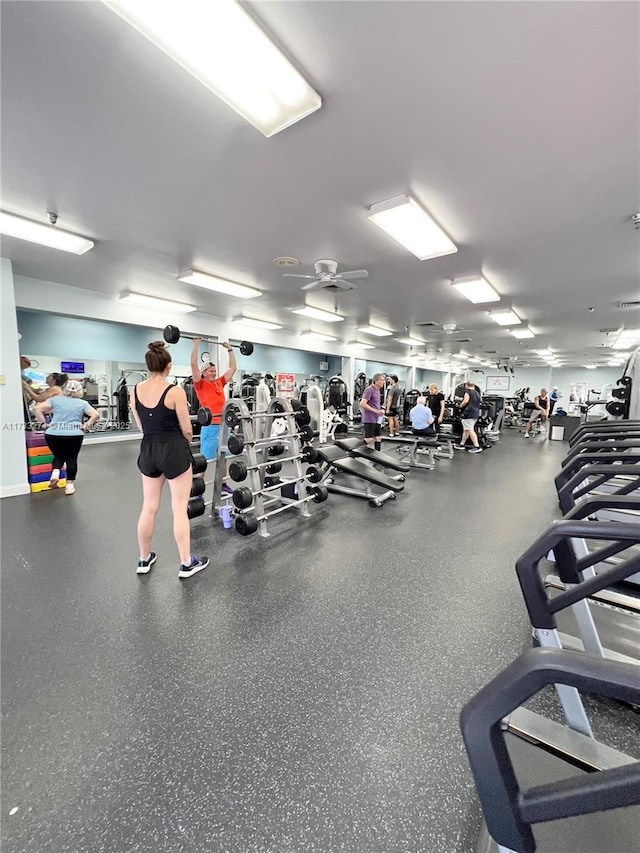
(356, 447)
(336, 460)
(412, 447)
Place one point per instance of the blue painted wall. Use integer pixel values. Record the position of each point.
(73, 339)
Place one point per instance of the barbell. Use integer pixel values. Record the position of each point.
(247, 523)
(238, 469)
(172, 335)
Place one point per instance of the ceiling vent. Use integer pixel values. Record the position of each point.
(286, 262)
(635, 304)
(607, 331)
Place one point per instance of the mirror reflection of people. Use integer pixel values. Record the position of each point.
(161, 412)
(55, 383)
(65, 433)
(553, 399)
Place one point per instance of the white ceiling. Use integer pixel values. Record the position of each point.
(515, 124)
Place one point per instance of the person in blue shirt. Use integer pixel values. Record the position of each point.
(66, 431)
(421, 418)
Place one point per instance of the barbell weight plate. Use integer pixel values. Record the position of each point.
(195, 507)
(242, 497)
(231, 418)
(276, 450)
(274, 468)
(309, 454)
(624, 380)
(237, 471)
(279, 426)
(199, 463)
(246, 524)
(277, 406)
(171, 334)
(616, 409)
(620, 393)
(303, 417)
(320, 494)
(197, 487)
(271, 481)
(204, 416)
(306, 433)
(313, 475)
(246, 347)
(235, 445)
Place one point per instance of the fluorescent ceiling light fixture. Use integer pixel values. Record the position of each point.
(626, 339)
(317, 336)
(44, 235)
(411, 342)
(459, 355)
(219, 285)
(155, 302)
(505, 318)
(318, 314)
(374, 330)
(223, 47)
(615, 362)
(521, 334)
(411, 226)
(476, 289)
(257, 324)
(545, 353)
(589, 366)
(355, 344)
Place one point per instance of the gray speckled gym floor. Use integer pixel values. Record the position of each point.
(301, 694)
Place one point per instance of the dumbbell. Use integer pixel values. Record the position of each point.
(236, 443)
(247, 523)
(172, 335)
(238, 469)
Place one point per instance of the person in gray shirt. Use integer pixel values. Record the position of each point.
(391, 407)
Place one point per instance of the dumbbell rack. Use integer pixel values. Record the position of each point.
(238, 420)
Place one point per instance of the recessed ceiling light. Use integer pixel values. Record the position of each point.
(476, 289)
(157, 303)
(219, 285)
(521, 334)
(223, 47)
(257, 324)
(410, 225)
(374, 330)
(545, 353)
(317, 336)
(44, 235)
(318, 314)
(411, 342)
(505, 318)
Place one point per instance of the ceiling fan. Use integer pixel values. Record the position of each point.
(447, 329)
(328, 277)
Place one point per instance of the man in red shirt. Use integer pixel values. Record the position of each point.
(209, 389)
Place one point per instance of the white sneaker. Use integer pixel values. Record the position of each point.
(69, 489)
(55, 476)
(526, 435)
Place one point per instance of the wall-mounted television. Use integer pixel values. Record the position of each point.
(72, 366)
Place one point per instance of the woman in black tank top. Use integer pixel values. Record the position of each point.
(162, 415)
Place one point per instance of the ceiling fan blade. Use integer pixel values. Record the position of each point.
(311, 285)
(354, 274)
(296, 275)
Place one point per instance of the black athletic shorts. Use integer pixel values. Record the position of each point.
(169, 455)
(371, 430)
(393, 412)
